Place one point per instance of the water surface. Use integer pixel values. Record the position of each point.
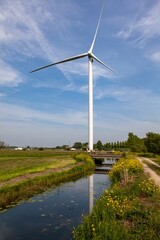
(53, 214)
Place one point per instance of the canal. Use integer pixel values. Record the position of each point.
(53, 214)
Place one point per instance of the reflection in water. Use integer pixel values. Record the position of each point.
(53, 214)
(91, 189)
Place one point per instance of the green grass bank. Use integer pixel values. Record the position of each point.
(130, 209)
(24, 174)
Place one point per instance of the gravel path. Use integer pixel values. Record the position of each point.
(149, 171)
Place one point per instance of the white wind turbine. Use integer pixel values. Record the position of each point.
(90, 56)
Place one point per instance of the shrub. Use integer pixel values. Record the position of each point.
(130, 163)
(82, 157)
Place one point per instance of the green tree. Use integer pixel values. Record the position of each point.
(99, 145)
(77, 145)
(118, 145)
(1, 144)
(135, 143)
(152, 142)
(108, 146)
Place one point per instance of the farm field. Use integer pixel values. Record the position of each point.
(25, 173)
(22, 163)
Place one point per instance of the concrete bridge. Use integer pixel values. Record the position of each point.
(104, 161)
(101, 155)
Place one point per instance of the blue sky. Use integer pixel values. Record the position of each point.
(50, 107)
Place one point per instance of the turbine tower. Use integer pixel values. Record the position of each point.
(91, 57)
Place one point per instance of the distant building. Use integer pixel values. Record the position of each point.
(73, 149)
(18, 148)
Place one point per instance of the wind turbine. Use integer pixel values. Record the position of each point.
(91, 57)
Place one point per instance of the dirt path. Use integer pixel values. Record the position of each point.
(150, 161)
(149, 171)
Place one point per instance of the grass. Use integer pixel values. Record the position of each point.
(32, 153)
(127, 210)
(66, 167)
(13, 167)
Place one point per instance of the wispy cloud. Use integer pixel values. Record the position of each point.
(3, 94)
(20, 32)
(80, 69)
(21, 114)
(155, 57)
(8, 75)
(134, 104)
(24, 28)
(118, 94)
(144, 28)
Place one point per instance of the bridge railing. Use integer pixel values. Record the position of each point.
(105, 155)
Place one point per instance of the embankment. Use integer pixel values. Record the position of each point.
(130, 209)
(25, 186)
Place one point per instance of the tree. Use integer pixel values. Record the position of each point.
(77, 145)
(118, 145)
(108, 146)
(99, 145)
(135, 143)
(152, 142)
(2, 144)
(95, 146)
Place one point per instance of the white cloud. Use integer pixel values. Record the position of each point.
(139, 105)
(111, 92)
(24, 27)
(118, 126)
(8, 75)
(24, 30)
(3, 94)
(23, 126)
(37, 134)
(155, 57)
(21, 114)
(20, 32)
(144, 28)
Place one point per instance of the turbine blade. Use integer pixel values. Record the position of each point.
(98, 60)
(62, 61)
(95, 35)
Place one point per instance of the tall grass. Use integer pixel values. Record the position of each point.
(125, 211)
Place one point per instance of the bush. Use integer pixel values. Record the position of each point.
(82, 157)
(130, 163)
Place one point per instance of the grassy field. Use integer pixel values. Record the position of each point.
(129, 210)
(14, 164)
(24, 173)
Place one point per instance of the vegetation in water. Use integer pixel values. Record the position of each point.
(128, 210)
